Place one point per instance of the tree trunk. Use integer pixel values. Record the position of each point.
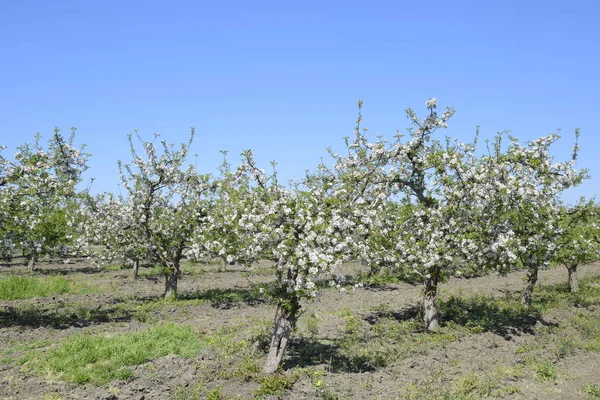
(285, 322)
(532, 277)
(136, 268)
(31, 263)
(573, 281)
(171, 278)
(430, 308)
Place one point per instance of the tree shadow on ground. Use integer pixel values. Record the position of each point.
(487, 314)
(406, 314)
(226, 298)
(66, 271)
(47, 270)
(303, 352)
(61, 317)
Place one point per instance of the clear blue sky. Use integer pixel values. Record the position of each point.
(283, 78)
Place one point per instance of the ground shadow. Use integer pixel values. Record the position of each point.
(487, 314)
(227, 298)
(66, 271)
(61, 317)
(303, 352)
(406, 314)
(380, 287)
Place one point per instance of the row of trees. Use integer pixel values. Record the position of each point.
(416, 205)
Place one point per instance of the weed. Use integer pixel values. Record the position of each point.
(588, 327)
(565, 347)
(223, 298)
(545, 371)
(275, 384)
(99, 359)
(593, 390)
(16, 348)
(311, 323)
(325, 393)
(486, 314)
(352, 325)
(191, 392)
(61, 315)
(17, 287)
(512, 389)
(216, 394)
(53, 396)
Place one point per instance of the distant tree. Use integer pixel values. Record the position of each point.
(527, 228)
(114, 225)
(578, 242)
(39, 199)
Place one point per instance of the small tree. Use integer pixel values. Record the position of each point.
(166, 205)
(307, 231)
(527, 226)
(578, 242)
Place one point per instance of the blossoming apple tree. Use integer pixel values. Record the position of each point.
(527, 226)
(39, 198)
(429, 179)
(165, 204)
(578, 243)
(306, 230)
(114, 225)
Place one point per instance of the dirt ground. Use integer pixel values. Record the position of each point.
(107, 309)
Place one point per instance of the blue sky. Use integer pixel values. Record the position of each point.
(283, 78)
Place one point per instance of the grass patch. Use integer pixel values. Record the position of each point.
(367, 344)
(559, 296)
(17, 348)
(545, 371)
(592, 390)
(368, 348)
(98, 359)
(471, 385)
(235, 345)
(588, 327)
(18, 287)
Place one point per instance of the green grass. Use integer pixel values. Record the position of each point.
(593, 391)
(17, 348)
(559, 296)
(481, 313)
(16, 287)
(545, 371)
(275, 385)
(98, 359)
(588, 327)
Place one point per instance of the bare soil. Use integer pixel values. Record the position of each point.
(111, 309)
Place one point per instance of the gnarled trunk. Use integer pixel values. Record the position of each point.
(430, 309)
(285, 322)
(532, 277)
(573, 281)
